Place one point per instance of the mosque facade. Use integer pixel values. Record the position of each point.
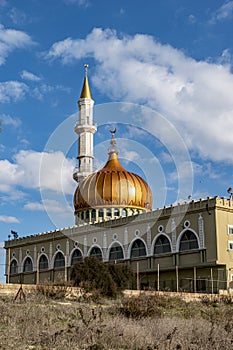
(185, 247)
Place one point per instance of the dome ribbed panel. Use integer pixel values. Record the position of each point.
(115, 188)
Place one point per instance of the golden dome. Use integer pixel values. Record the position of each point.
(113, 186)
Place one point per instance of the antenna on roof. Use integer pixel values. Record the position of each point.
(15, 234)
(230, 192)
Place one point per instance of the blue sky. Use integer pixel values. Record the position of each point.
(159, 70)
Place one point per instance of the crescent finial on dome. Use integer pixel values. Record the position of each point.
(113, 132)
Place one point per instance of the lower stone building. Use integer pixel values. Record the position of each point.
(186, 247)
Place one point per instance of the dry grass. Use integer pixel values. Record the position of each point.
(152, 323)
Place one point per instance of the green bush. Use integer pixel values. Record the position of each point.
(140, 307)
(92, 274)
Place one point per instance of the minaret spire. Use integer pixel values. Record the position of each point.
(85, 128)
(86, 92)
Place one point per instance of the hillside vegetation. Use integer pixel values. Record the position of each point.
(46, 320)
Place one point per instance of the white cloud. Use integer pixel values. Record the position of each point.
(9, 219)
(12, 91)
(52, 205)
(206, 170)
(43, 89)
(11, 39)
(224, 12)
(192, 19)
(17, 16)
(196, 96)
(84, 3)
(34, 206)
(37, 170)
(29, 76)
(8, 120)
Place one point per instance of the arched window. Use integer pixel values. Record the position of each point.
(116, 252)
(76, 257)
(130, 212)
(13, 267)
(87, 214)
(138, 249)
(59, 260)
(96, 253)
(43, 263)
(124, 212)
(162, 245)
(27, 266)
(101, 213)
(108, 212)
(93, 214)
(116, 212)
(188, 241)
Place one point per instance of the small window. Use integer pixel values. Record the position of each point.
(138, 249)
(116, 252)
(13, 267)
(43, 263)
(76, 257)
(230, 230)
(130, 212)
(124, 212)
(109, 212)
(188, 241)
(93, 214)
(96, 253)
(162, 245)
(27, 267)
(230, 245)
(101, 213)
(59, 260)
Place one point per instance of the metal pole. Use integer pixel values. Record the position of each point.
(177, 279)
(158, 279)
(195, 279)
(37, 270)
(8, 265)
(138, 280)
(212, 281)
(65, 268)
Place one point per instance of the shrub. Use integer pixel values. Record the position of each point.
(140, 307)
(122, 275)
(92, 274)
(52, 290)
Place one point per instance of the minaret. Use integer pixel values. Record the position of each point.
(85, 128)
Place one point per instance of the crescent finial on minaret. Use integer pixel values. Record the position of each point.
(86, 69)
(113, 132)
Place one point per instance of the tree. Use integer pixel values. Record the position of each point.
(93, 274)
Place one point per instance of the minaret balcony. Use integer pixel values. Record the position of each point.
(79, 176)
(80, 128)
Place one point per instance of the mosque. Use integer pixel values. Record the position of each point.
(186, 247)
